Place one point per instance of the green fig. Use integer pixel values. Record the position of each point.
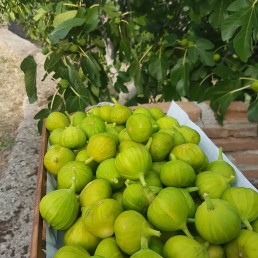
(245, 200)
(77, 117)
(212, 183)
(78, 235)
(55, 135)
(129, 227)
(108, 170)
(161, 145)
(109, 248)
(217, 221)
(105, 112)
(56, 157)
(134, 163)
(120, 113)
(94, 111)
(72, 251)
(182, 247)
(244, 246)
(60, 207)
(74, 169)
(169, 211)
(94, 191)
(136, 197)
(99, 217)
(221, 167)
(177, 173)
(139, 127)
(100, 147)
(73, 137)
(190, 153)
(167, 122)
(156, 112)
(56, 120)
(92, 125)
(143, 110)
(190, 134)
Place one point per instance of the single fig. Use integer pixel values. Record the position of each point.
(129, 227)
(182, 247)
(136, 197)
(169, 211)
(56, 120)
(212, 183)
(94, 191)
(217, 221)
(105, 112)
(60, 207)
(190, 153)
(74, 169)
(78, 235)
(72, 251)
(108, 171)
(143, 110)
(73, 137)
(100, 147)
(92, 125)
(134, 163)
(244, 246)
(245, 200)
(221, 167)
(161, 145)
(190, 134)
(156, 112)
(109, 248)
(120, 113)
(56, 157)
(167, 122)
(177, 173)
(139, 127)
(77, 117)
(55, 135)
(99, 217)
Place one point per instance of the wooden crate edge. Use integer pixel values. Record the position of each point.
(37, 245)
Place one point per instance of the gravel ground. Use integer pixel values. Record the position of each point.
(19, 145)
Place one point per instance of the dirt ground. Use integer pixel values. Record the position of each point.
(11, 100)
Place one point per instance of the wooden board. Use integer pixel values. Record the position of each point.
(38, 237)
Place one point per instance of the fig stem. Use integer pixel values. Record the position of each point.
(153, 232)
(192, 189)
(220, 154)
(142, 180)
(209, 203)
(68, 116)
(144, 242)
(191, 220)
(72, 188)
(148, 144)
(114, 100)
(115, 180)
(187, 232)
(87, 161)
(247, 224)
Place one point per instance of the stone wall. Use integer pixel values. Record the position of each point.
(238, 137)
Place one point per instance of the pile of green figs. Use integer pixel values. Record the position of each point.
(135, 183)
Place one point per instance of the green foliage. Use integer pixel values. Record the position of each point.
(200, 50)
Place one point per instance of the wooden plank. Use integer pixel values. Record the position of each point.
(38, 246)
